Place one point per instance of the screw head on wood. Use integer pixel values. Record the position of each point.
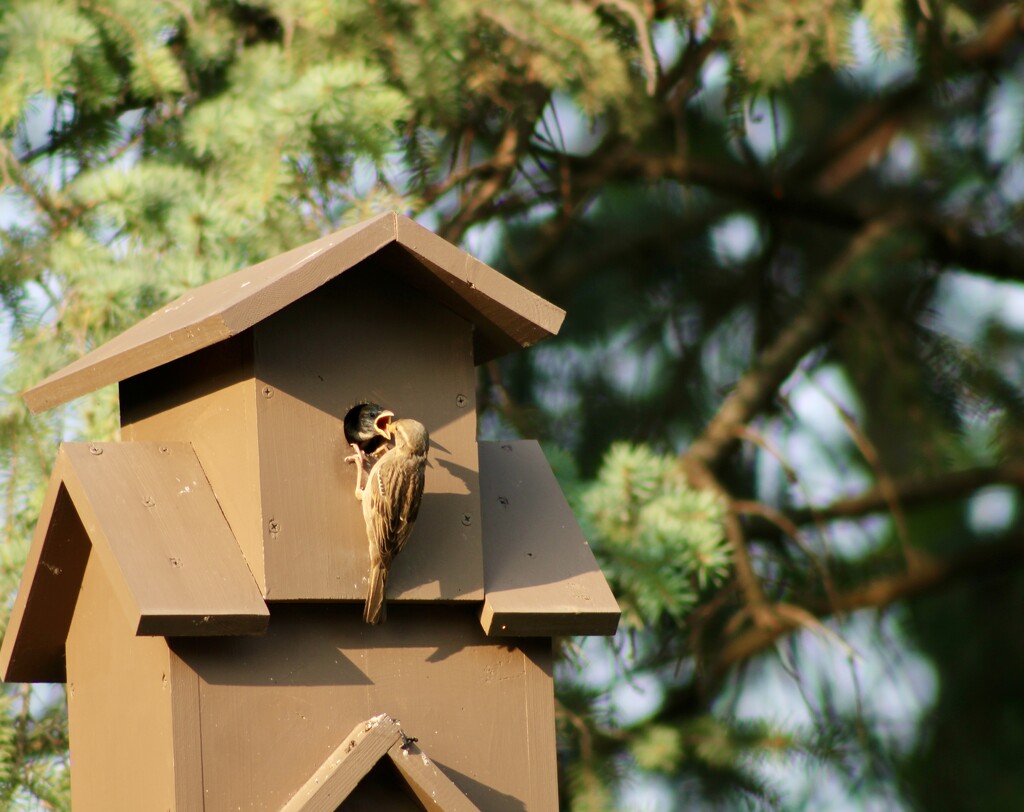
(274, 526)
(467, 519)
(268, 392)
(503, 501)
(461, 401)
(95, 449)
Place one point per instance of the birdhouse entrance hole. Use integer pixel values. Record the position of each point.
(366, 425)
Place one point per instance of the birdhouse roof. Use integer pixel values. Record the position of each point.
(540, 577)
(148, 513)
(505, 315)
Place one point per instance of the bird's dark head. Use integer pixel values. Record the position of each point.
(368, 422)
(410, 437)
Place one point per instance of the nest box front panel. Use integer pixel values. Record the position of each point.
(272, 709)
(364, 337)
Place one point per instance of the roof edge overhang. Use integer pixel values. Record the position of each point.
(125, 504)
(541, 578)
(507, 316)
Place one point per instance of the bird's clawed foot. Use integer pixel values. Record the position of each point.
(359, 458)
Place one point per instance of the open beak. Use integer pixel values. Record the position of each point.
(383, 423)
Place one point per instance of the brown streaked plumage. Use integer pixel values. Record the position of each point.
(391, 502)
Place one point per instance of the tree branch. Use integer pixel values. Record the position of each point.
(927, 576)
(909, 492)
(758, 386)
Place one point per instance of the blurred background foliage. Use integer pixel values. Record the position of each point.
(787, 401)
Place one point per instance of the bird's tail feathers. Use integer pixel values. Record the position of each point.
(375, 610)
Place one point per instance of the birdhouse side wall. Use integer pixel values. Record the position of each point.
(127, 748)
(365, 337)
(483, 711)
(208, 399)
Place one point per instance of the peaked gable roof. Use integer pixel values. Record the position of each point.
(506, 315)
(139, 508)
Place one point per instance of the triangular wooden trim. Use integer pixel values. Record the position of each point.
(148, 513)
(359, 752)
(506, 315)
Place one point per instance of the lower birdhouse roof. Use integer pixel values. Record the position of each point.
(505, 315)
(147, 511)
(540, 576)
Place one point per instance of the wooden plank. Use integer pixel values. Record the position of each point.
(431, 787)
(209, 401)
(508, 315)
(503, 304)
(540, 706)
(314, 361)
(344, 768)
(156, 524)
(33, 646)
(118, 707)
(274, 707)
(540, 576)
(186, 736)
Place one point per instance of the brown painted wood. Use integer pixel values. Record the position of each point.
(119, 707)
(360, 338)
(147, 511)
(540, 576)
(275, 707)
(264, 414)
(186, 736)
(208, 400)
(432, 788)
(509, 315)
(540, 688)
(346, 766)
(33, 646)
(157, 527)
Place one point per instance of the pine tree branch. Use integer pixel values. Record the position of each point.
(15, 174)
(755, 390)
(951, 242)
(910, 492)
(512, 145)
(701, 477)
(928, 575)
(871, 127)
(805, 193)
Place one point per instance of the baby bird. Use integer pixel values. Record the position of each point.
(367, 427)
(391, 502)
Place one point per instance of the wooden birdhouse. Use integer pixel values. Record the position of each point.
(199, 585)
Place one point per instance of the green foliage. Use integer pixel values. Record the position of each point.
(702, 186)
(661, 542)
(776, 42)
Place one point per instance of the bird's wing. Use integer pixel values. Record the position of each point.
(412, 495)
(394, 489)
